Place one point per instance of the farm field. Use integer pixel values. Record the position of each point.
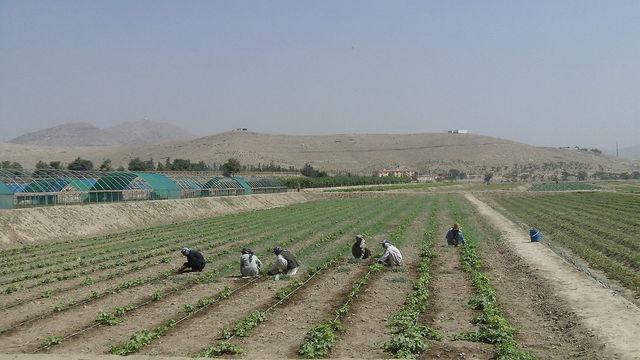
(601, 228)
(120, 293)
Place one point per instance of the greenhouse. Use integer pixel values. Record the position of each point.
(43, 187)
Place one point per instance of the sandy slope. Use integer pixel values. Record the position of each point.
(27, 226)
(356, 153)
(614, 319)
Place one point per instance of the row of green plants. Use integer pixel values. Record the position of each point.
(392, 187)
(321, 338)
(175, 236)
(243, 327)
(595, 239)
(341, 180)
(494, 327)
(564, 186)
(172, 244)
(310, 227)
(364, 212)
(144, 337)
(410, 338)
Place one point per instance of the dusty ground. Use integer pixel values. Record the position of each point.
(613, 319)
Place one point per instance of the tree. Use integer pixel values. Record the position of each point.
(136, 164)
(42, 165)
(10, 165)
(582, 175)
(231, 167)
(308, 171)
(55, 165)
(80, 164)
(487, 177)
(106, 165)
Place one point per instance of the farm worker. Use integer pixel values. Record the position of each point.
(359, 248)
(454, 236)
(285, 262)
(250, 265)
(195, 260)
(391, 256)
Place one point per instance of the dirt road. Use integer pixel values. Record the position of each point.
(614, 319)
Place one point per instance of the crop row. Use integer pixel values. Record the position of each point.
(364, 214)
(587, 238)
(166, 246)
(176, 236)
(494, 328)
(409, 336)
(369, 208)
(321, 338)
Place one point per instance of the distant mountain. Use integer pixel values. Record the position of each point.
(144, 131)
(83, 134)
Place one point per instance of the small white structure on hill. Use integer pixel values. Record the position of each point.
(458, 131)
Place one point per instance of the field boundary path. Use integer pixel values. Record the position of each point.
(614, 319)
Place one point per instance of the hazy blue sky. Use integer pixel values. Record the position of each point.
(539, 72)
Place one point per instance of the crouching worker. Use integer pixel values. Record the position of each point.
(359, 248)
(285, 263)
(250, 265)
(391, 256)
(195, 261)
(454, 236)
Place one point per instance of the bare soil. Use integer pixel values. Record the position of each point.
(613, 320)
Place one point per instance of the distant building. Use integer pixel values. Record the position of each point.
(395, 173)
(239, 129)
(458, 131)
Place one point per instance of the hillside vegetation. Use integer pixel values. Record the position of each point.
(355, 153)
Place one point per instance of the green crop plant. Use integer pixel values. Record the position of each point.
(319, 340)
(107, 318)
(243, 327)
(157, 295)
(141, 338)
(188, 308)
(224, 348)
(47, 293)
(121, 310)
(54, 340)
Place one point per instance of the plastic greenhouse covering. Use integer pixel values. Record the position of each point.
(23, 188)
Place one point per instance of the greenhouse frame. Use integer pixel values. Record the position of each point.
(44, 187)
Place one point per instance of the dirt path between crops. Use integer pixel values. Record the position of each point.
(612, 318)
(447, 312)
(367, 323)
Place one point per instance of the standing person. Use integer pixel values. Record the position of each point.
(454, 236)
(285, 262)
(359, 248)
(195, 260)
(250, 265)
(391, 256)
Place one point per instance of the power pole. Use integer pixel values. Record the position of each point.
(616, 148)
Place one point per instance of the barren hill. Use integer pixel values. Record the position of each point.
(356, 153)
(83, 134)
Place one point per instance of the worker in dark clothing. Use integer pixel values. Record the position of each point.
(195, 260)
(360, 249)
(285, 262)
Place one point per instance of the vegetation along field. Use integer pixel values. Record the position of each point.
(121, 294)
